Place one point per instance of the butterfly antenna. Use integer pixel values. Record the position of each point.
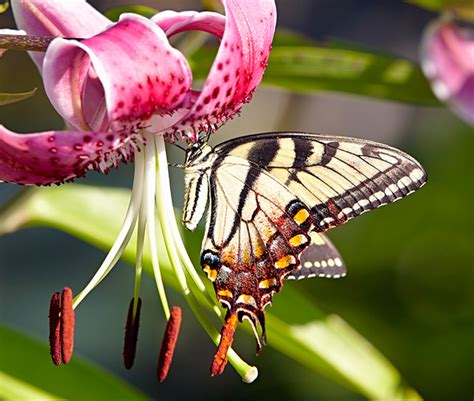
(178, 146)
(175, 165)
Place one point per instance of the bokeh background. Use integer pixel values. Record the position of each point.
(410, 287)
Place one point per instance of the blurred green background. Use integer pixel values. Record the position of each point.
(410, 283)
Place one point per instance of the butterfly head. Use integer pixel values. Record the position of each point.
(197, 152)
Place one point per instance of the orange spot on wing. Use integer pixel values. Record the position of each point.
(301, 216)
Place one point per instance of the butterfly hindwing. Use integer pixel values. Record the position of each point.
(320, 259)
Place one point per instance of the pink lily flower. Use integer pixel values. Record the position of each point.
(448, 61)
(122, 89)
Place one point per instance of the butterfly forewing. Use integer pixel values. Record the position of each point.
(338, 178)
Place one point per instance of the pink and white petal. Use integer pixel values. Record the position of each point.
(65, 18)
(141, 74)
(447, 56)
(238, 67)
(57, 156)
(65, 76)
(463, 101)
(10, 32)
(173, 22)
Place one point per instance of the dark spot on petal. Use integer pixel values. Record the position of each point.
(77, 146)
(99, 144)
(51, 138)
(215, 92)
(226, 78)
(53, 150)
(220, 66)
(87, 139)
(207, 99)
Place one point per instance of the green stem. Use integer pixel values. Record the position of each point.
(166, 214)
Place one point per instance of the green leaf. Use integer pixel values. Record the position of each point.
(27, 373)
(8, 98)
(320, 341)
(115, 12)
(300, 65)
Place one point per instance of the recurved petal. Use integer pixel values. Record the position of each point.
(239, 65)
(57, 156)
(173, 22)
(66, 18)
(448, 61)
(140, 73)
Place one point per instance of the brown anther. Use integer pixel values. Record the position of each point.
(54, 329)
(227, 337)
(67, 325)
(169, 343)
(131, 334)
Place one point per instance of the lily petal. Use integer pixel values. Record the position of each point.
(70, 18)
(57, 156)
(139, 72)
(239, 65)
(448, 61)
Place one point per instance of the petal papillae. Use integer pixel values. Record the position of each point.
(448, 61)
(57, 156)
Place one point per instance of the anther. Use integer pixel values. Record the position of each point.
(54, 329)
(169, 343)
(67, 325)
(131, 334)
(227, 337)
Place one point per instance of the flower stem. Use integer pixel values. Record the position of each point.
(166, 218)
(125, 233)
(25, 43)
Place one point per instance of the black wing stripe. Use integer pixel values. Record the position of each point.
(330, 150)
(265, 156)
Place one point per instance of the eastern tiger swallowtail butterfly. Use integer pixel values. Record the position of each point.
(272, 196)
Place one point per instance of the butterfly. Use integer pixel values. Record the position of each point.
(270, 198)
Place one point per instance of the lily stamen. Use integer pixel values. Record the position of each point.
(55, 328)
(227, 337)
(168, 343)
(67, 322)
(131, 333)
